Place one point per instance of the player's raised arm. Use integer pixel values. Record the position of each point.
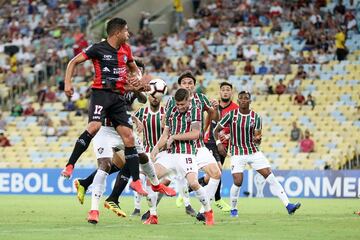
(68, 88)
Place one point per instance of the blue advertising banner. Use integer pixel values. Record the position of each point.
(311, 184)
(49, 181)
(297, 183)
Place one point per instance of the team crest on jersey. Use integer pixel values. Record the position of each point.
(125, 58)
(100, 150)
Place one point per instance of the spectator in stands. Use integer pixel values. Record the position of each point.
(4, 141)
(240, 53)
(64, 127)
(81, 104)
(249, 69)
(179, 13)
(280, 88)
(301, 74)
(249, 53)
(299, 99)
(69, 105)
(316, 19)
(310, 102)
(341, 50)
(307, 145)
(275, 69)
(313, 74)
(285, 68)
(50, 95)
(300, 59)
(245, 86)
(2, 122)
(17, 109)
(29, 110)
(350, 22)
(41, 111)
(296, 134)
(291, 87)
(275, 9)
(339, 8)
(41, 93)
(322, 43)
(310, 59)
(322, 57)
(262, 69)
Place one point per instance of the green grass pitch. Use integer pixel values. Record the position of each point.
(62, 217)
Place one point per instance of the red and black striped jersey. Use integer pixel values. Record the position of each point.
(110, 65)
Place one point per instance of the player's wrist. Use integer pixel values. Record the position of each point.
(218, 142)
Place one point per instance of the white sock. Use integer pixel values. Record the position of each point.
(152, 199)
(277, 189)
(211, 188)
(137, 200)
(202, 196)
(149, 170)
(183, 190)
(98, 188)
(234, 195)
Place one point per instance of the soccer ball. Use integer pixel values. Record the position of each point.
(158, 88)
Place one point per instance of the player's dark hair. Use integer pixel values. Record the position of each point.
(115, 25)
(186, 74)
(245, 92)
(140, 64)
(182, 94)
(226, 84)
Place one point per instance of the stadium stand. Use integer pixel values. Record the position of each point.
(216, 44)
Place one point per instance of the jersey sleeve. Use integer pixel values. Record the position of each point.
(167, 119)
(226, 119)
(195, 114)
(129, 53)
(90, 52)
(139, 114)
(169, 104)
(206, 103)
(258, 122)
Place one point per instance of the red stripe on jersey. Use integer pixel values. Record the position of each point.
(153, 126)
(146, 128)
(178, 128)
(85, 56)
(242, 135)
(97, 81)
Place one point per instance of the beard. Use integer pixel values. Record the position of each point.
(226, 100)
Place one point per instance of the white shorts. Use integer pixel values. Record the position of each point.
(256, 161)
(178, 164)
(204, 157)
(107, 138)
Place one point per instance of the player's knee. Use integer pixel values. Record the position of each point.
(215, 172)
(237, 181)
(93, 127)
(143, 158)
(105, 164)
(194, 185)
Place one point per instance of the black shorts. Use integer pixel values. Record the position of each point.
(215, 152)
(105, 103)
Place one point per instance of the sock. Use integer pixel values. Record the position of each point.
(159, 197)
(217, 193)
(132, 159)
(88, 181)
(211, 188)
(234, 195)
(122, 180)
(186, 196)
(137, 200)
(277, 189)
(149, 170)
(137, 197)
(201, 182)
(152, 199)
(80, 146)
(113, 169)
(201, 195)
(99, 187)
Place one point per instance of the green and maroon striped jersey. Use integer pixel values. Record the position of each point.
(201, 102)
(152, 125)
(242, 130)
(178, 122)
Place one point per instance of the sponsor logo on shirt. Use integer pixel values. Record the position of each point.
(100, 150)
(107, 57)
(106, 69)
(121, 70)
